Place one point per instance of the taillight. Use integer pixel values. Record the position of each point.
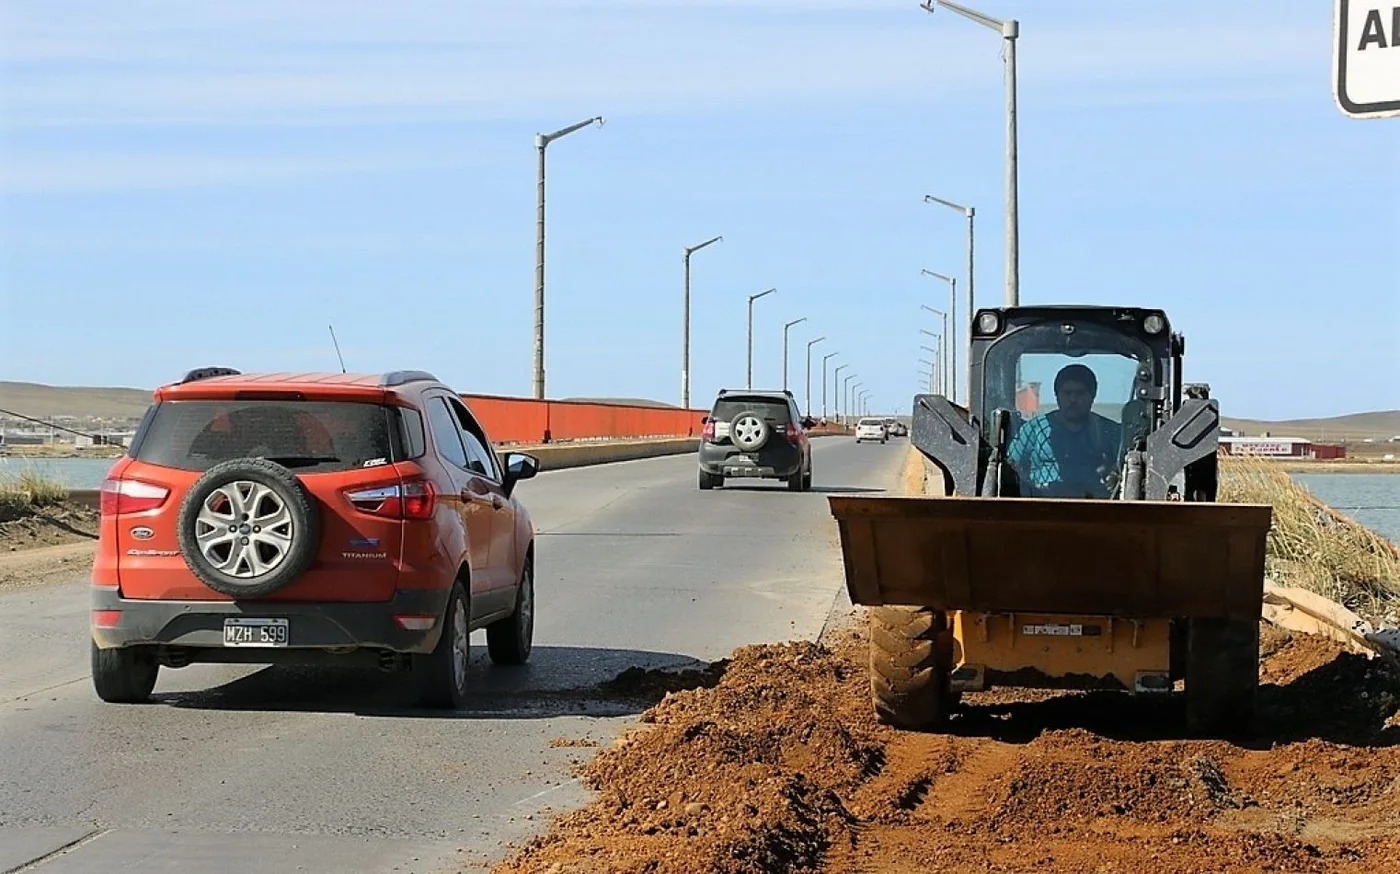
(410, 500)
(130, 496)
(709, 432)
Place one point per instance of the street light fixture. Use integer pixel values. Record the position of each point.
(1010, 30)
(752, 298)
(541, 141)
(951, 346)
(854, 395)
(786, 328)
(685, 329)
(846, 395)
(824, 360)
(810, 344)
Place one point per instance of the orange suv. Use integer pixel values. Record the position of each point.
(310, 518)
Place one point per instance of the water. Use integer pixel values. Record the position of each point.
(1373, 499)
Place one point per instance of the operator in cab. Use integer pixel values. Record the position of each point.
(1068, 452)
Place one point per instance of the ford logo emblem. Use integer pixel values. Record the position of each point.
(142, 533)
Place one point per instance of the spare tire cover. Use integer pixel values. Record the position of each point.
(248, 527)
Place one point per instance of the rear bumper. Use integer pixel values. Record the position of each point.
(195, 626)
(770, 461)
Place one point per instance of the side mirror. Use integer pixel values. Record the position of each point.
(519, 466)
(704, 420)
(809, 422)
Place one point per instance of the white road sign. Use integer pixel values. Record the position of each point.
(1366, 57)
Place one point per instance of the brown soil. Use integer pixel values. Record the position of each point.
(780, 767)
(53, 525)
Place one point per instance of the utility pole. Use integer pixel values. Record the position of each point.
(810, 344)
(753, 297)
(824, 360)
(1010, 31)
(542, 141)
(786, 328)
(685, 329)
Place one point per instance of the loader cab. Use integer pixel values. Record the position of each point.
(1061, 394)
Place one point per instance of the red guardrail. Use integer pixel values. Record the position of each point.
(528, 421)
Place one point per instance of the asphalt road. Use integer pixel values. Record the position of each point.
(238, 769)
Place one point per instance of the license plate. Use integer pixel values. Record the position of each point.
(743, 471)
(256, 632)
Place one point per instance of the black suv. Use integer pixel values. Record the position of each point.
(756, 434)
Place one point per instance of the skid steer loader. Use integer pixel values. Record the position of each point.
(1076, 542)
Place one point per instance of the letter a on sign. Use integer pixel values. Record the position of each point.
(1366, 57)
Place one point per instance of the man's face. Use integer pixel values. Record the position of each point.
(1074, 399)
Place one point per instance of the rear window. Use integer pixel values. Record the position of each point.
(771, 409)
(874, 422)
(307, 436)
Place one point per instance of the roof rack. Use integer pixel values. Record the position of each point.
(209, 373)
(399, 377)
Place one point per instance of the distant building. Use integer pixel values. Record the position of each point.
(1281, 447)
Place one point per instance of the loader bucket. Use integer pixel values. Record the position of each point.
(1008, 555)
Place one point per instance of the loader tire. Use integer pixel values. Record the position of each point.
(1222, 677)
(909, 667)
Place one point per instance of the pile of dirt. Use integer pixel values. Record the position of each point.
(49, 525)
(780, 767)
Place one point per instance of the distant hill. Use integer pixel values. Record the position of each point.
(1357, 426)
(42, 401)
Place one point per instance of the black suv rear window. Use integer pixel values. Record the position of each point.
(771, 409)
(307, 436)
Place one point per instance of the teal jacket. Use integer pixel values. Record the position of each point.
(1054, 460)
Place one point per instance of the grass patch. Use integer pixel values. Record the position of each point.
(21, 493)
(1313, 546)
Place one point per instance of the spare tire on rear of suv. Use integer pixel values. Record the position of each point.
(749, 431)
(248, 527)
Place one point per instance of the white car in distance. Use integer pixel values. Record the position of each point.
(871, 429)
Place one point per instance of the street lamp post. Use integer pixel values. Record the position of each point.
(810, 344)
(825, 358)
(951, 346)
(836, 391)
(685, 327)
(752, 298)
(846, 396)
(853, 399)
(938, 341)
(786, 328)
(1010, 30)
(542, 141)
(942, 339)
(971, 213)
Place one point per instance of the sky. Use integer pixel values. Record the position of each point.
(214, 184)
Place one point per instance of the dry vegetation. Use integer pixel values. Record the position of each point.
(1313, 546)
(27, 492)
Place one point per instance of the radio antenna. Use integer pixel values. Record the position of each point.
(337, 348)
